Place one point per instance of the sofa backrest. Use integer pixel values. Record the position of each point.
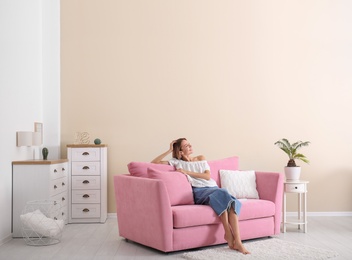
(140, 169)
(230, 163)
(180, 191)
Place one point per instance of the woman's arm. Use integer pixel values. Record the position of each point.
(159, 159)
(205, 175)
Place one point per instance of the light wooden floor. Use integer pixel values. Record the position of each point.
(101, 241)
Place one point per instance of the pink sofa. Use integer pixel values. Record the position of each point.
(155, 207)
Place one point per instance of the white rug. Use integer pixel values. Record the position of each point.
(271, 248)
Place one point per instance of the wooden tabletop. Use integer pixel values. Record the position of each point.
(40, 161)
(86, 145)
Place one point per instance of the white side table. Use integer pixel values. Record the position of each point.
(299, 187)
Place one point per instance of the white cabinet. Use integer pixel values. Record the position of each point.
(87, 183)
(38, 180)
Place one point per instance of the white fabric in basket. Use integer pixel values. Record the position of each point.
(41, 224)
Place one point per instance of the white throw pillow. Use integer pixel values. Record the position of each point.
(240, 184)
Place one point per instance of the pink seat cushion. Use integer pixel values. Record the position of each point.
(177, 185)
(193, 215)
(140, 169)
(256, 208)
(197, 215)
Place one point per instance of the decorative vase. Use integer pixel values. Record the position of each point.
(292, 173)
(45, 153)
(97, 141)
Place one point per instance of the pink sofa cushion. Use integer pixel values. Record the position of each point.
(193, 215)
(256, 208)
(196, 215)
(177, 186)
(140, 169)
(230, 163)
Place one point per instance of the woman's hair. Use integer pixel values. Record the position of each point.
(176, 148)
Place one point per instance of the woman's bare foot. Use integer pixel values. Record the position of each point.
(240, 248)
(230, 240)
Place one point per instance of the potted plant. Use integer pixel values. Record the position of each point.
(292, 171)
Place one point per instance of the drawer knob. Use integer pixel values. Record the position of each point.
(55, 187)
(55, 202)
(55, 170)
(55, 218)
(85, 210)
(63, 184)
(85, 196)
(296, 187)
(63, 199)
(85, 182)
(85, 168)
(85, 153)
(63, 169)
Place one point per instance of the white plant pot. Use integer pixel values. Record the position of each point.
(292, 173)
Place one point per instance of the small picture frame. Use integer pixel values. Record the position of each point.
(38, 127)
(81, 138)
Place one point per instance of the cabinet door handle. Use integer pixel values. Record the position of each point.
(63, 199)
(85, 182)
(85, 196)
(55, 170)
(62, 213)
(55, 187)
(85, 210)
(85, 153)
(85, 168)
(63, 169)
(63, 184)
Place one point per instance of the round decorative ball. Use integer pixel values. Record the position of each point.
(97, 141)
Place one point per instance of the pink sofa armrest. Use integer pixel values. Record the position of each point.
(136, 197)
(270, 187)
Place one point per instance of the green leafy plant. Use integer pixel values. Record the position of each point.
(291, 151)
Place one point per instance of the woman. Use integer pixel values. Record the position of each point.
(205, 189)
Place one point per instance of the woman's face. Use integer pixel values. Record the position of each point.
(186, 148)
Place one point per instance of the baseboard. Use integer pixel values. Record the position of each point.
(112, 215)
(323, 214)
(5, 240)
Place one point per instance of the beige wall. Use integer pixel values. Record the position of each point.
(231, 76)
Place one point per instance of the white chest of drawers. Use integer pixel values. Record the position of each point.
(87, 183)
(38, 180)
